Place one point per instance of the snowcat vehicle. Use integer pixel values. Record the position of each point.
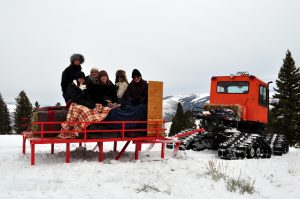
(235, 120)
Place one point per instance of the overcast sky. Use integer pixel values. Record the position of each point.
(182, 43)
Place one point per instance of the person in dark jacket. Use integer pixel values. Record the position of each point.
(69, 73)
(78, 92)
(137, 90)
(93, 82)
(107, 90)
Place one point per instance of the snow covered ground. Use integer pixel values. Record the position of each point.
(185, 176)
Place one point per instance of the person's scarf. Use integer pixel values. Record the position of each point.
(81, 86)
(94, 80)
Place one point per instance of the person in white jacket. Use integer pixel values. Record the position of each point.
(121, 84)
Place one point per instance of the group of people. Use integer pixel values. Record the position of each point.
(97, 88)
(91, 98)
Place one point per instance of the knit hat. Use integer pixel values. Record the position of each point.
(80, 74)
(136, 73)
(94, 69)
(77, 56)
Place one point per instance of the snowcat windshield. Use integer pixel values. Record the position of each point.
(233, 87)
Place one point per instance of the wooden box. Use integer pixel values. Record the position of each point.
(155, 107)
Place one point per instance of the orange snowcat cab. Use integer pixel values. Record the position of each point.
(236, 118)
(247, 93)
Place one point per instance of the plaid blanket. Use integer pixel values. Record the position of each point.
(78, 113)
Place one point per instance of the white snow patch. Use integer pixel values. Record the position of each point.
(200, 97)
(11, 107)
(182, 177)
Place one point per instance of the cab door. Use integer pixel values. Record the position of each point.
(263, 103)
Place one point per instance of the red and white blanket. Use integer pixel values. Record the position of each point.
(78, 113)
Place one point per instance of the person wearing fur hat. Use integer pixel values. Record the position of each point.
(70, 72)
(77, 91)
(93, 83)
(137, 90)
(107, 90)
(121, 83)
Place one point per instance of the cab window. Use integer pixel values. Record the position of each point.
(232, 87)
(263, 96)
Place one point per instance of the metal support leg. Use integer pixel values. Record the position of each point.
(67, 152)
(162, 150)
(32, 154)
(80, 144)
(24, 145)
(100, 146)
(138, 147)
(115, 146)
(122, 151)
(177, 145)
(52, 148)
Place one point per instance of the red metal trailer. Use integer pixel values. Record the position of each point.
(38, 137)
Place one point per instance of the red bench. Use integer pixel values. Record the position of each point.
(38, 137)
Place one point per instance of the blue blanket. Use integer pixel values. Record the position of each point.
(128, 113)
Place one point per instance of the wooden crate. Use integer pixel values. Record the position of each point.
(155, 106)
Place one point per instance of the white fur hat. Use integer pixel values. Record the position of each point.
(94, 69)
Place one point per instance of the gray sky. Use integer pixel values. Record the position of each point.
(182, 43)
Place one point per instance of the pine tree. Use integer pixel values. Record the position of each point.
(285, 113)
(5, 126)
(178, 122)
(189, 120)
(271, 123)
(23, 110)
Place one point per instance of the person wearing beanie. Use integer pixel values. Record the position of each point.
(69, 73)
(77, 91)
(80, 74)
(137, 90)
(121, 83)
(136, 73)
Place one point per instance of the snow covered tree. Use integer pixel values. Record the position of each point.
(23, 110)
(177, 121)
(285, 114)
(5, 126)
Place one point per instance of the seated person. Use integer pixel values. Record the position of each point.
(92, 82)
(107, 90)
(137, 90)
(77, 91)
(121, 85)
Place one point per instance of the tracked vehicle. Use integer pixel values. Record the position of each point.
(235, 120)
